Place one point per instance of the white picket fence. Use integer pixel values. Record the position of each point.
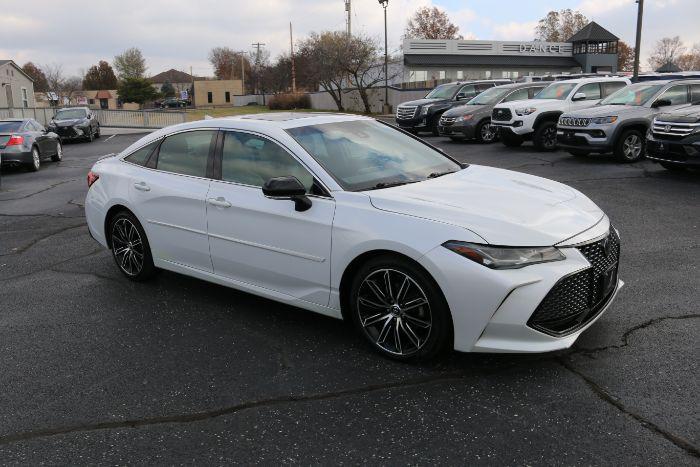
(106, 118)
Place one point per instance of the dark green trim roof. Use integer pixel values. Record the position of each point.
(593, 32)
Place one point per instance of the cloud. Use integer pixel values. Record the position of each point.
(514, 30)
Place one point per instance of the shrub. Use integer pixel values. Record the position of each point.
(289, 102)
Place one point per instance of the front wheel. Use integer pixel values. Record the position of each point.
(97, 132)
(35, 164)
(90, 136)
(545, 137)
(485, 133)
(400, 310)
(630, 146)
(130, 248)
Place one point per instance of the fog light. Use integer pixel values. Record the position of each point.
(690, 150)
(598, 134)
(518, 123)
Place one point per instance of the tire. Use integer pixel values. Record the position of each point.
(673, 167)
(545, 137)
(579, 152)
(434, 126)
(424, 330)
(511, 140)
(130, 248)
(630, 146)
(35, 165)
(58, 157)
(91, 136)
(97, 133)
(484, 133)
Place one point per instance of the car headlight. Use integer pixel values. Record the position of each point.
(424, 109)
(604, 120)
(499, 257)
(525, 111)
(464, 118)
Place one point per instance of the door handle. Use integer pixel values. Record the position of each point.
(141, 186)
(219, 202)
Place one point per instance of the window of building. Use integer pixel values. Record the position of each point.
(253, 160)
(227, 96)
(460, 74)
(487, 74)
(505, 74)
(91, 101)
(441, 74)
(140, 156)
(186, 153)
(210, 97)
(25, 98)
(417, 75)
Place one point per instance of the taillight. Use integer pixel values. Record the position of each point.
(15, 140)
(92, 177)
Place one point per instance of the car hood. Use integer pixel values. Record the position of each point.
(539, 104)
(501, 206)
(424, 102)
(463, 110)
(610, 110)
(71, 122)
(690, 114)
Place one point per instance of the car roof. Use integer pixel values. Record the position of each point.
(14, 119)
(72, 108)
(592, 80)
(528, 84)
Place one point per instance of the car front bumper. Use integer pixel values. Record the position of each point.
(416, 123)
(70, 132)
(593, 139)
(491, 309)
(685, 152)
(460, 129)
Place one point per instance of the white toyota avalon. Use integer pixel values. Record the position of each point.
(349, 217)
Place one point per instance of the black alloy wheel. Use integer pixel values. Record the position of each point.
(130, 248)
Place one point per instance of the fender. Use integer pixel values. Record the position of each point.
(638, 122)
(547, 116)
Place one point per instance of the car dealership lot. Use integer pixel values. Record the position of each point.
(99, 369)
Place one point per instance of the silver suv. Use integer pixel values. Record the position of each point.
(619, 123)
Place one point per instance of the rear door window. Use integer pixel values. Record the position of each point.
(612, 86)
(518, 95)
(532, 92)
(468, 91)
(186, 153)
(591, 90)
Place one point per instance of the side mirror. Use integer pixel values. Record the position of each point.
(287, 188)
(461, 96)
(661, 103)
(579, 96)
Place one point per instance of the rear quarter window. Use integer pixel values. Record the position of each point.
(140, 156)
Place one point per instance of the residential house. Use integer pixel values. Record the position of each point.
(180, 80)
(16, 87)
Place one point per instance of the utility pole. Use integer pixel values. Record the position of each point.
(638, 39)
(291, 50)
(192, 94)
(348, 20)
(386, 108)
(257, 46)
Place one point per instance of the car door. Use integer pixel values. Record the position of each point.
(169, 195)
(46, 144)
(264, 241)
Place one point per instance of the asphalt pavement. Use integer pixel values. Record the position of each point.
(98, 370)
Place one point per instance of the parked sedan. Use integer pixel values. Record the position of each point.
(26, 142)
(173, 102)
(355, 219)
(473, 119)
(76, 123)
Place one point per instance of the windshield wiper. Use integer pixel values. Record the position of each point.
(391, 184)
(440, 174)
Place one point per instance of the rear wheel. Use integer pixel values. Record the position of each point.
(58, 157)
(545, 137)
(579, 152)
(400, 310)
(510, 139)
(35, 164)
(130, 248)
(485, 133)
(630, 146)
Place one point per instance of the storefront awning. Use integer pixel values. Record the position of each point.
(488, 60)
(103, 95)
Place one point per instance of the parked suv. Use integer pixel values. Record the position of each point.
(620, 122)
(674, 138)
(424, 114)
(473, 119)
(536, 119)
(75, 123)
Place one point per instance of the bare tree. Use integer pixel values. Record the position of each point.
(326, 53)
(54, 78)
(625, 56)
(130, 64)
(71, 85)
(559, 26)
(364, 66)
(666, 50)
(227, 65)
(431, 23)
(690, 60)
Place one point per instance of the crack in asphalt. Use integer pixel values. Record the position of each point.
(602, 394)
(50, 187)
(30, 273)
(211, 414)
(625, 337)
(29, 245)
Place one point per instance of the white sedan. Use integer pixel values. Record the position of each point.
(349, 217)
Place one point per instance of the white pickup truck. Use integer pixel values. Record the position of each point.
(537, 118)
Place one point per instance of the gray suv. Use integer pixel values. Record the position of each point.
(473, 119)
(619, 123)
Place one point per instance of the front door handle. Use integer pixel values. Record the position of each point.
(141, 186)
(219, 202)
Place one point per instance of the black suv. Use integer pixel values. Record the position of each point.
(424, 114)
(75, 123)
(674, 138)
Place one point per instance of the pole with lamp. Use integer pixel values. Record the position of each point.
(386, 108)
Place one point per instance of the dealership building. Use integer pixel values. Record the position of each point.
(591, 50)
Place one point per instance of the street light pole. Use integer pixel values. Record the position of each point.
(638, 39)
(386, 108)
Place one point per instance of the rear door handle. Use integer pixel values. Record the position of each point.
(142, 186)
(219, 202)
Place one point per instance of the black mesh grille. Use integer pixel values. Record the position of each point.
(576, 299)
(501, 115)
(66, 131)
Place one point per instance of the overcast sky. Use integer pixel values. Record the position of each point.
(179, 33)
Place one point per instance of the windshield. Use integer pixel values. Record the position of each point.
(363, 155)
(9, 126)
(635, 94)
(556, 91)
(70, 114)
(490, 96)
(444, 91)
